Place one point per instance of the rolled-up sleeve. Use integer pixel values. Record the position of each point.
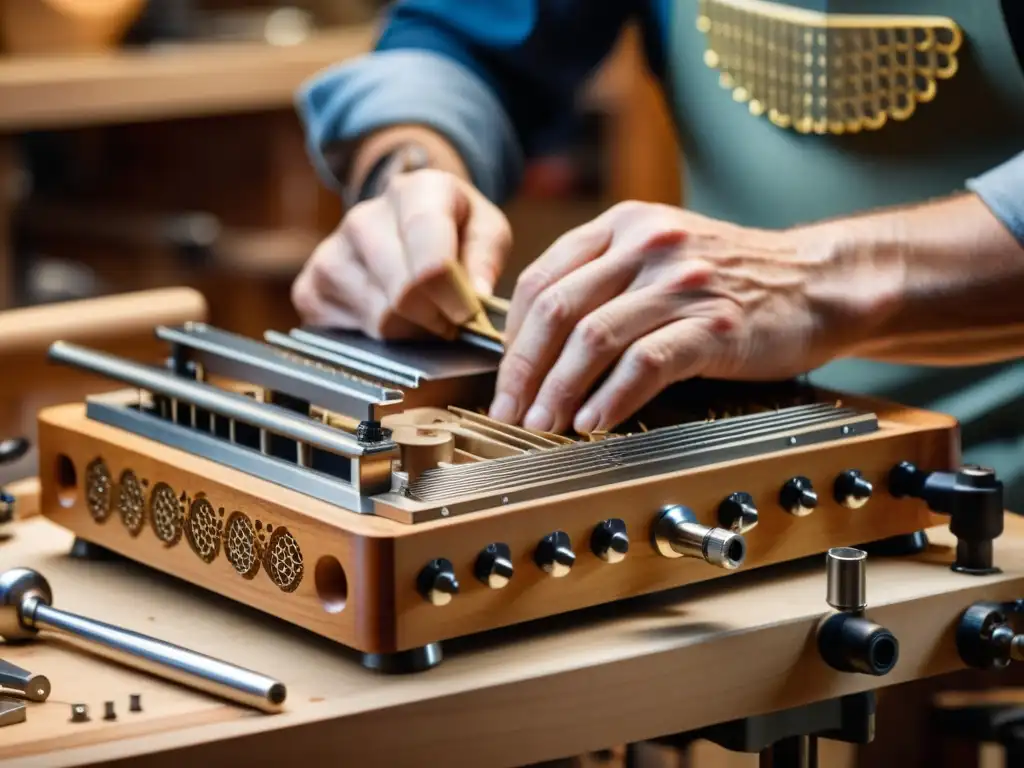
(1002, 190)
(496, 79)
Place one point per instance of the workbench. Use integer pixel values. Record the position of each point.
(623, 673)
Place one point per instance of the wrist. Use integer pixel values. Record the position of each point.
(393, 150)
(858, 279)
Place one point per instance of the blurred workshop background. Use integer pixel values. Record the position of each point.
(154, 142)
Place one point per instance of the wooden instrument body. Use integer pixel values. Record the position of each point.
(357, 582)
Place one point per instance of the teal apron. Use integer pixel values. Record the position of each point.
(835, 154)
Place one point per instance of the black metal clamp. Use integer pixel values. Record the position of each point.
(789, 738)
(973, 499)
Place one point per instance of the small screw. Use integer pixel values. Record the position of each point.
(135, 704)
(108, 711)
(79, 713)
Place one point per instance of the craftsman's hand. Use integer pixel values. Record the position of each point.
(651, 294)
(384, 271)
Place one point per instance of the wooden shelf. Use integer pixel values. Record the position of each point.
(183, 80)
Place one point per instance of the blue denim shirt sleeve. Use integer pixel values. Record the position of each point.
(1002, 190)
(498, 79)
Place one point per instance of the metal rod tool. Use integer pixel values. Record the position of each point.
(25, 608)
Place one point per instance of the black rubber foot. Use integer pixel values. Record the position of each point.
(898, 546)
(87, 550)
(405, 662)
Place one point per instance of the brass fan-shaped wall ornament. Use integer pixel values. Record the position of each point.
(827, 73)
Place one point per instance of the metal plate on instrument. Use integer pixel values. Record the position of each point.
(426, 359)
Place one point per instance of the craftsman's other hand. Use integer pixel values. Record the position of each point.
(386, 270)
(648, 295)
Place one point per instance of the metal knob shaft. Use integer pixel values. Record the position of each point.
(25, 608)
(678, 534)
(846, 579)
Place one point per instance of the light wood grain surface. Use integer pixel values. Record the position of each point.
(555, 688)
(193, 79)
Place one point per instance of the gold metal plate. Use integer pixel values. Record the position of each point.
(827, 73)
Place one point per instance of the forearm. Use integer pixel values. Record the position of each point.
(940, 283)
(359, 111)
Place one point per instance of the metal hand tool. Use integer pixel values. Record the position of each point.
(32, 687)
(25, 608)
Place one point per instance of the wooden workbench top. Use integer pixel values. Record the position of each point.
(181, 80)
(619, 674)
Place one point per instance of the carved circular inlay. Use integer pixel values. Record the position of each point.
(203, 530)
(240, 545)
(99, 490)
(165, 514)
(283, 560)
(131, 502)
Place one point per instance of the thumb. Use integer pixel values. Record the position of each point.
(486, 243)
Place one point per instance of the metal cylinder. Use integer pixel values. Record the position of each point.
(846, 573)
(678, 534)
(162, 659)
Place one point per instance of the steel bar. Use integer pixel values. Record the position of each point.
(315, 352)
(230, 405)
(162, 659)
(243, 359)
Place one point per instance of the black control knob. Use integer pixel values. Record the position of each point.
(852, 490)
(738, 513)
(798, 497)
(609, 541)
(554, 554)
(437, 582)
(494, 566)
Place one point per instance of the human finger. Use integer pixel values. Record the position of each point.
(486, 243)
(674, 352)
(544, 331)
(594, 345)
(430, 209)
(569, 252)
(373, 233)
(552, 317)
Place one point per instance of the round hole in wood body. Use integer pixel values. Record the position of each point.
(66, 479)
(331, 584)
